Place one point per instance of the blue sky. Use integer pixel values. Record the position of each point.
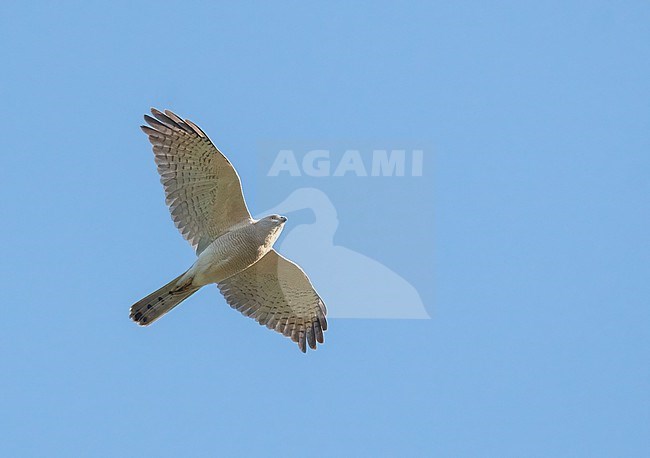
(535, 273)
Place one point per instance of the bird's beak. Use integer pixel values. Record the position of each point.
(283, 219)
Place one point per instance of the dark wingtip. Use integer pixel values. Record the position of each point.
(151, 132)
(174, 116)
(311, 338)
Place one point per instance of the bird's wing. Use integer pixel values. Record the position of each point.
(202, 188)
(276, 293)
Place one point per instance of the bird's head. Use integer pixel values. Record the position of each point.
(271, 226)
(274, 220)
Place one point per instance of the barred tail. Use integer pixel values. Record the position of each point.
(147, 310)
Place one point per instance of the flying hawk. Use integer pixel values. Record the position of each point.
(235, 251)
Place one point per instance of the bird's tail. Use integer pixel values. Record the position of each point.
(147, 310)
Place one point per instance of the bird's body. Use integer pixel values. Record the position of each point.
(234, 251)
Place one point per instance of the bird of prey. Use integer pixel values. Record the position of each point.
(235, 251)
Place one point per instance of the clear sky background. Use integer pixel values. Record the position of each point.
(539, 117)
